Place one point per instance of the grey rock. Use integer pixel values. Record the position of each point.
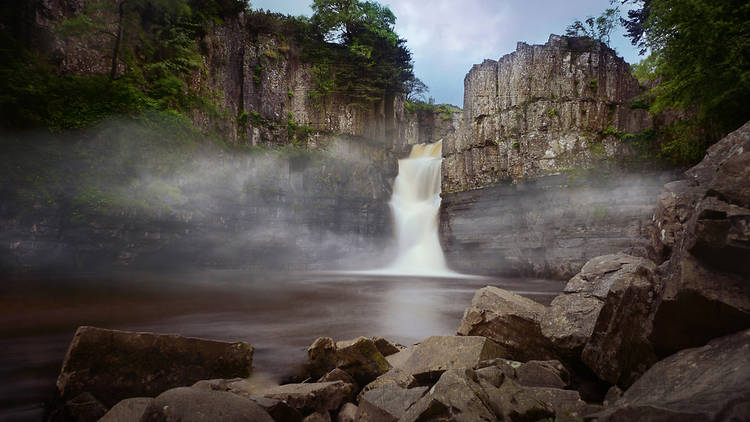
(397, 360)
(512, 402)
(387, 403)
(613, 394)
(511, 321)
(120, 364)
(279, 410)
(311, 397)
(187, 404)
(702, 384)
(619, 350)
(127, 410)
(437, 354)
(318, 417)
(550, 374)
(321, 357)
(457, 396)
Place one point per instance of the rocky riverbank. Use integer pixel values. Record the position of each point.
(663, 336)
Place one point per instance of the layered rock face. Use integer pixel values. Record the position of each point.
(542, 109)
(430, 125)
(547, 227)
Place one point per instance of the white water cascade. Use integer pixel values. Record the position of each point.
(415, 205)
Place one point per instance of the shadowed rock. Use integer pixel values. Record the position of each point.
(550, 373)
(361, 359)
(386, 347)
(457, 396)
(347, 413)
(708, 383)
(85, 408)
(127, 410)
(187, 404)
(120, 364)
(387, 403)
(511, 321)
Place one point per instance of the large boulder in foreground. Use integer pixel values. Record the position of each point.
(311, 397)
(708, 383)
(188, 404)
(572, 315)
(387, 403)
(438, 354)
(619, 349)
(128, 410)
(115, 365)
(512, 321)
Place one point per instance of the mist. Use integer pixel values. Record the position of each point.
(126, 195)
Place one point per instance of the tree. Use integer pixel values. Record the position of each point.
(416, 90)
(701, 56)
(599, 28)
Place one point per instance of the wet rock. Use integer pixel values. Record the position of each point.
(511, 321)
(187, 404)
(708, 383)
(385, 347)
(549, 373)
(457, 396)
(311, 397)
(437, 354)
(361, 359)
(119, 364)
(127, 410)
(619, 350)
(347, 413)
(387, 403)
(85, 408)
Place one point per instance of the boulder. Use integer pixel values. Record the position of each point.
(279, 410)
(311, 397)
(438, 354)
(566, 404)
(85, 408)
(321, 357)
(119, 364)
(398, 359)
(127, 410)
(361, 359)
(572, 315)
(550, 373)
(708, 383)
(387, 403)
(511, 321)
(187, 404)
(619, 350)
(386, 347)
(347, 413)
(512, 402)
(457, 396)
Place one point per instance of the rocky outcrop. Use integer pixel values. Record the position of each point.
(431, 123)
(115, 365)
(701, 236)
(709, 383)
(542, 109)
(186, 404)
(438, 354)
(549, 226)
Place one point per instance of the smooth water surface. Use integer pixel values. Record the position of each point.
(280, 315)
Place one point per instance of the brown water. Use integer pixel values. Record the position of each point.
(279, 314)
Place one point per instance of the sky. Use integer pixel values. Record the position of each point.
(446, 37)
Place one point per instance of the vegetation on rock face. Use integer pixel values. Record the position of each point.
(700, 64)
(598, 28)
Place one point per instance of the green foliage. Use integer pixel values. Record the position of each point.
(611, 131)
(700, 56)
(552, 112)
(598, 28)
(593, 84)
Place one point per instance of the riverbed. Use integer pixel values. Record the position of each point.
(279, 314)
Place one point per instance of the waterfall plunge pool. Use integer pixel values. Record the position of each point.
(279, 314)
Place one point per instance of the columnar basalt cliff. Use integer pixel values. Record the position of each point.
(540, 110)
(533, 181)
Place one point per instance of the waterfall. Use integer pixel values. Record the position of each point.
(415, 204)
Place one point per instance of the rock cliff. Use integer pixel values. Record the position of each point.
(540, 110)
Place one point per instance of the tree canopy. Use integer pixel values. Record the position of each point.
(700, 56)
(598, 28)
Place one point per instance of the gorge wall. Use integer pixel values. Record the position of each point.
(536, 180)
